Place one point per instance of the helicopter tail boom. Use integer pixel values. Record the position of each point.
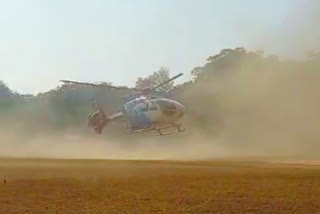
(98, 120)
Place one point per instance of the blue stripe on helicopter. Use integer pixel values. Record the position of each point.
(138, 118)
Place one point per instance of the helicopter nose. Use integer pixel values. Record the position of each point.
(181, 112)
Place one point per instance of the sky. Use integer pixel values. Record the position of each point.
(43, 41)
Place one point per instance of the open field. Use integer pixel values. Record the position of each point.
(98, 186)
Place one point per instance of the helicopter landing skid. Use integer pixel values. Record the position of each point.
(145, 129)
(159, 129)
(178, 126)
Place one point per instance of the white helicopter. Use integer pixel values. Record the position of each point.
(145, 113)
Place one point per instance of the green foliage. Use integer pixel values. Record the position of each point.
(156, 78)
(7, 97)
(4, 90)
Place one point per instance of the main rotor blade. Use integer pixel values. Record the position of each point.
(78, 83)
(166, 82)
(93, 84)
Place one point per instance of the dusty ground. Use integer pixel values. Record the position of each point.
(94, 186)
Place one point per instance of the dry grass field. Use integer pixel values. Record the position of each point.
(97, 186)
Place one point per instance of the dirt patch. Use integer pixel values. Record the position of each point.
(96, 186)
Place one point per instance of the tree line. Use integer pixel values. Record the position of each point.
(69, 105)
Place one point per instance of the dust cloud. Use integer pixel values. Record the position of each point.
(272, 112)
(72, 144)
(277, 114)
(275, 111)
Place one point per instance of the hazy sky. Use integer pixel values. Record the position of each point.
(117, 41)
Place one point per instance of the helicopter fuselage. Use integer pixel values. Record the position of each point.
(144, 111)
(143, 114)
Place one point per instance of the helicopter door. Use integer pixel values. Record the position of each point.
(153, 111)
(140, 115)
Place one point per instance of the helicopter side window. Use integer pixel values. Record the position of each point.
(152, 106)
(166, 105)
(129, 107)
(142, 107)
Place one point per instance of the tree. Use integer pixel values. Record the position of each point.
(196, 71)
(7, 97)
(5, 92)
(155, 79)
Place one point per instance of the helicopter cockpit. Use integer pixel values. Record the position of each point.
(146, 106)
(140, 105)
(132, 105)
(166, 104)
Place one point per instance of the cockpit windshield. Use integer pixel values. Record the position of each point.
(153, 106)
(131, 106)
(141, 107)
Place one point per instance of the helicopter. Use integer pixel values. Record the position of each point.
(143, 113)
